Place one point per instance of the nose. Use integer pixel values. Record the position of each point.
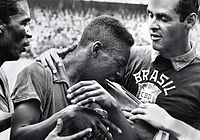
(153, 23)
(28, 32)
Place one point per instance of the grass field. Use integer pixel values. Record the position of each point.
(12, 69)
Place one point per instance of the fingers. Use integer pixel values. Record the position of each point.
(80, 134)
(111, 126)
(81, 90)
(88, 101)
(126, 113)
(50, 63)
(86, 95)
(138, 116)
(59, 126)
(43, 61)
(62, 53)
(53, 57)
(50, 57)
(105, 132)
(130, 122)
(138, 111)
(56, 58)
(79, 85)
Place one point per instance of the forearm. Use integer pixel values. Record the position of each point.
(35, 131)
(116, 116)
(182, 130)
(5, 120)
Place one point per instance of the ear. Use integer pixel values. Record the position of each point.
(96, 47)
(190, 20)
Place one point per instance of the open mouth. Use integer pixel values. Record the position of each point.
(24, 50)
(156, 37)
(26, 44)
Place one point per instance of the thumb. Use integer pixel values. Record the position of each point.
(59, 126)
(65, 51)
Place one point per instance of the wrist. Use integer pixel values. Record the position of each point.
(170, 123)
(173, 128)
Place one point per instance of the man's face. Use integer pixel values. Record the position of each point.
(165, 27)
(109, 63)
(16, 33)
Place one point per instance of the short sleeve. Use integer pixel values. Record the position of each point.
(32, 83)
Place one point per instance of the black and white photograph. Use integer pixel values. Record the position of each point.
(100, 70)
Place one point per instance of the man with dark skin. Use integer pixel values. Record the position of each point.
(14, 38)
(40, 97)
(15, 35)
(166, 72)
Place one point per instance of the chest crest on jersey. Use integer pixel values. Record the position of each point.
(151, 83)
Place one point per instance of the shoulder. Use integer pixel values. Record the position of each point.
(140, 56)
(140, 50)
(35, 70)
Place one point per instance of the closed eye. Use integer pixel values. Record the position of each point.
(26, 21)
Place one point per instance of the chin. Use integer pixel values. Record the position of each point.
(156, 46)
(13, 57)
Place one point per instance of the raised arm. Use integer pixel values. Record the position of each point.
(53, 57)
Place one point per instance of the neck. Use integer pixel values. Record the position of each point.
(181, 47)
(74, 65)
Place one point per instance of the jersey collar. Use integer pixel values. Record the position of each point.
(178, 62)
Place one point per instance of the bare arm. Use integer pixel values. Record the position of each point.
(160, 119)
(25, 122)
(182, 130)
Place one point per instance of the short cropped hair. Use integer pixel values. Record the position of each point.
(186, 7)
(106, 29)
(7, 9)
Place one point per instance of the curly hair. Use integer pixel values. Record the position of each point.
(7, 9)
(186, 7)
(106, 29)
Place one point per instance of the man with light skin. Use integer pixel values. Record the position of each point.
(166, 72)
(167, 75)
(15, 36)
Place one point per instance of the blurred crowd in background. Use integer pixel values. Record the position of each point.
(58, 28)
